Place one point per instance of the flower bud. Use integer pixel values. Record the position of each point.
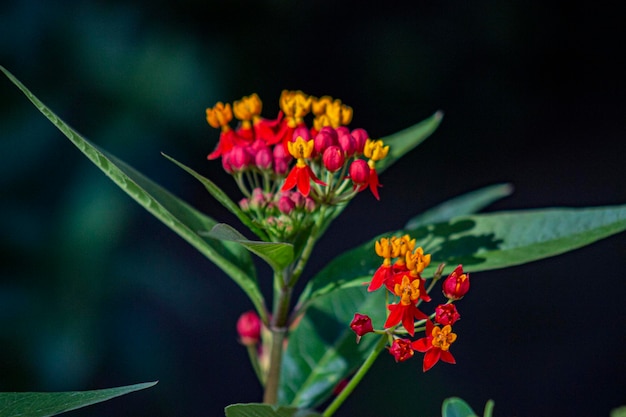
(361, 324)
(325, 139)
(359, 172)
(301, 131)
(257, 200)
(446, 314)
(347, 143)
(249, 328)
(456, 285)
(263, 158)
(297, 198)
(333, 158)
(239, 158)
(401, 350)
(226, 163)
(244, 204)
(360, 136)
(280, 167)
(286, 205)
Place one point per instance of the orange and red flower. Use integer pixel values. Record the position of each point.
(435, 345)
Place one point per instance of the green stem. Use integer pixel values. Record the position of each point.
(279, 329)
(330, 410)
(310, 244)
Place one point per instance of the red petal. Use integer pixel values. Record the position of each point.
(431, 358)
(446, 356)
(373, 183)
(314, 178)
(407, 319)
(422, 345)
(395, 315)
(291, 179)
(304, 181)
(382, 274)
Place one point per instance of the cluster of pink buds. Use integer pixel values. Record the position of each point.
(281, 214)
(324, 161)
(401, 275)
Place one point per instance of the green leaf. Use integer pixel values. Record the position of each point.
(277, 255)
(469, 203)
(42, 404)
(322, 350)
(456, 407)
(404, 141)
(266, 410)
(481, 242)
(183, 219)
(221, 197)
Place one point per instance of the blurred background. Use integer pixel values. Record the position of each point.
(95, 293)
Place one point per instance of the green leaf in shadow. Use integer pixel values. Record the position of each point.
(277, 255)
(183, 219)
(221, 197)
(322, 350)
(481, 242)
(43, 404)
(456, 407)
(266, 410)
(469, 203)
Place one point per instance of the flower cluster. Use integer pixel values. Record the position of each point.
(285, 167)
(401, 274)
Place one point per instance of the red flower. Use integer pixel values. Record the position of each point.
(436, 345)
(456, 285)
(401, 349)
(446, 314)
(405, 311)
(383, 275)
(301, 174)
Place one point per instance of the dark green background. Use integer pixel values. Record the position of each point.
(96, 293)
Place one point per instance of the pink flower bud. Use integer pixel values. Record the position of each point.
(281, 166)
(333, 158)
(226, 163)
(324, 139)
(361, 324)
(286, 205)
(456, 285)
(280, 152)
(249, 328)
(257, 200)
(301, 131)
(297, 198)
(401, 350)
(239, 158)
(347, 143)
(359, 173)
(309, 205)
(360, 136)
(264, 158)
(446, 314)
(244, 204)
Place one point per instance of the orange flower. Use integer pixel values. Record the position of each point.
(436, 345)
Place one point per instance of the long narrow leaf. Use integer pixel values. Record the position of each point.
(183, 219)
(469, 203)
(221, 197)
(266, 410)
(482, 242)
(44, 404)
